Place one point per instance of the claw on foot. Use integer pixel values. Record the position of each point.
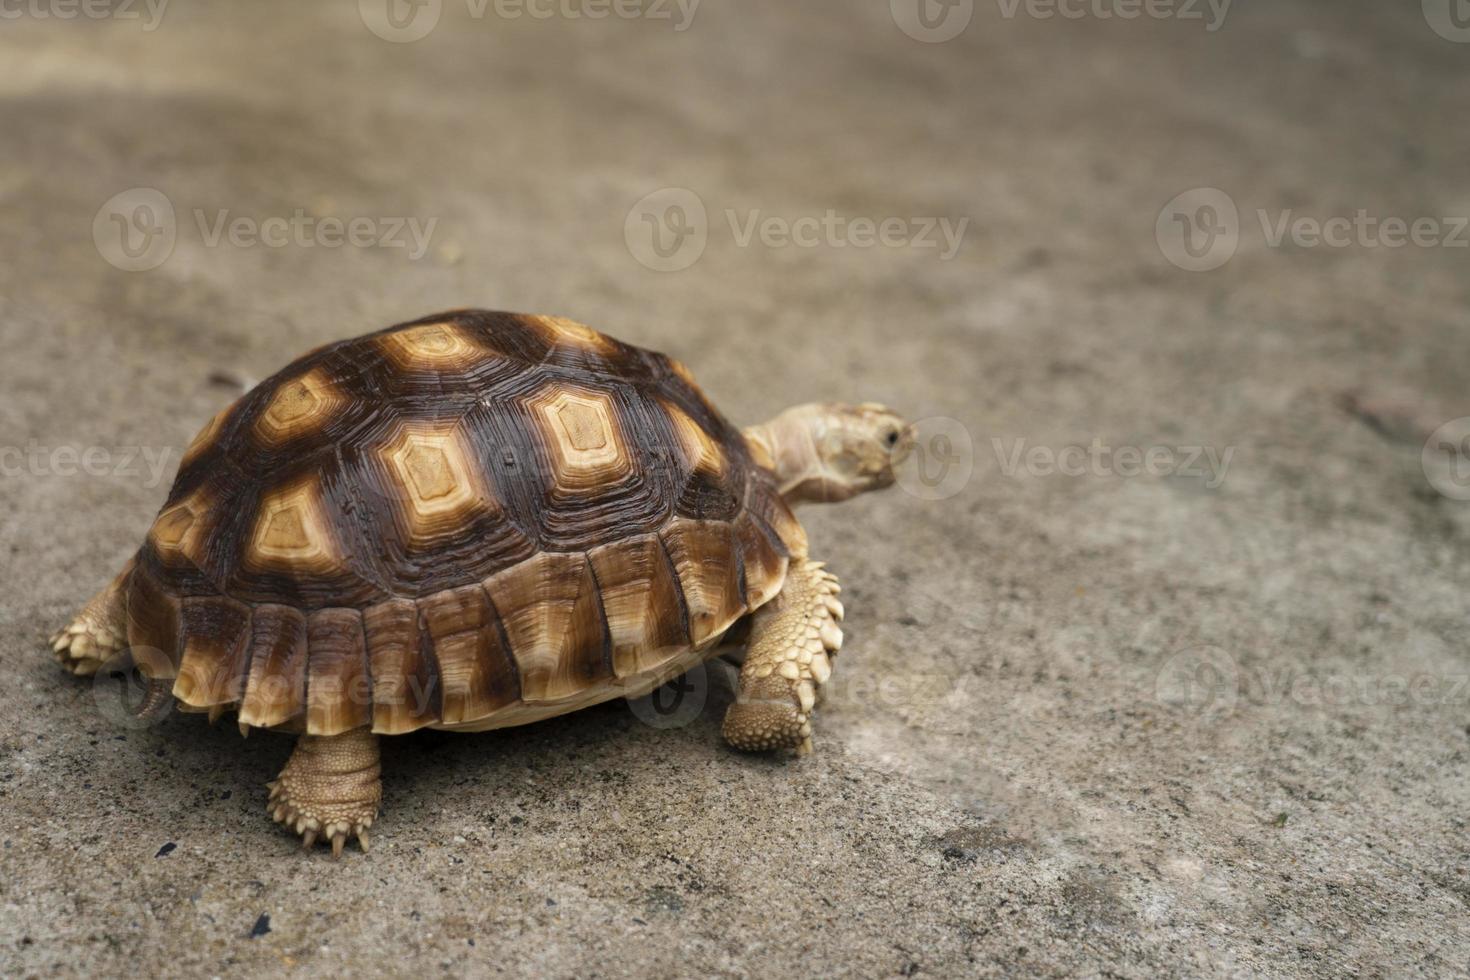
(303, 819)
(330, 789)
(97, 633)
(86, 644)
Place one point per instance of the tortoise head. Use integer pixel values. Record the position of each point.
(829, 451)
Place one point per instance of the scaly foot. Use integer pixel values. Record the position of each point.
(791, 640)
(97, 633)
(330, 788)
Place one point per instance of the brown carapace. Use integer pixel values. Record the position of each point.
(472, 521)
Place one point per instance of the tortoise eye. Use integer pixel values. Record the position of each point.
(891, 438)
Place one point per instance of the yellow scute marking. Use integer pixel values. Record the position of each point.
(433, 345)
(583, 425)
(577, 427)
(284, 530)
(292, 529)
(178, 530)
(293, 401)
(429, 470)
(432, 479)
(298, 406)
(702, 451)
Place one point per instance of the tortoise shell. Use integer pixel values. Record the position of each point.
(472, 520)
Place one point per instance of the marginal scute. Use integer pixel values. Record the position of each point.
(338, 691)
(709, 568)
(405, 679)
(475, 671)
(215, 659)
(552, 616)
(640, 598)
(764, 561)
(154, 623)
(275, 690)
(768, 507)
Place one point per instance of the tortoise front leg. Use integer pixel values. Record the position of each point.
(786, 662)
(329, 788)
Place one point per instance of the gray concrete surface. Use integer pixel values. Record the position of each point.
(1099, 725)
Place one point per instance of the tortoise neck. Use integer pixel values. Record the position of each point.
(784, 445)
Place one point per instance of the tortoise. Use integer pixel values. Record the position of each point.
(477, 520)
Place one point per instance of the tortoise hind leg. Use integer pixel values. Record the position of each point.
(98, 632)
(786, 663)
(330, 788)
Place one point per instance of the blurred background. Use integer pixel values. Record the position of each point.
(1156, 658)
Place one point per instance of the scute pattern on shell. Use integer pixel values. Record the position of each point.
(430, 524)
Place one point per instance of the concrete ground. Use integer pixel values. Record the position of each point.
(1171, 679)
